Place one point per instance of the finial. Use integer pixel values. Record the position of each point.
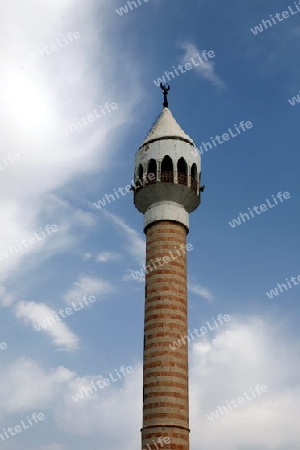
(165, 87)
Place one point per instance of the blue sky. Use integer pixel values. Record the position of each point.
(57, 181)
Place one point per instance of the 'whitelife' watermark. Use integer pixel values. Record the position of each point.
(25, 424)
(47, 50)
(124, 9)
(3, 346)
(162, 261)
(24, 243)
(265, 24)
(259, 209)
(242, 127)
(102, 383)
(200, 332)
(236, 403)
(141, 182)
(187, 66)
(292, 101)
(274, 292)
(68, 311)
(161, 441)
(85, 120)
(9, 160)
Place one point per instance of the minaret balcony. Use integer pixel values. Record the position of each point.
(167, 186)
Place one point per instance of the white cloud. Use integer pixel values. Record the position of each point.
(86, 285)
(108, 256)
(201, 291)
(206, 70)
(106, 410)
(25, 385)
(70, 222)
(136, 246)
(248, 352)
(34, 313)
(137, 278)
(38, 99)
(6, 299)
(52, 446)
(103, 257)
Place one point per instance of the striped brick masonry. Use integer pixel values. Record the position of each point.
(165, 393)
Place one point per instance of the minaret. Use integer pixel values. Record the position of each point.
(167, 189)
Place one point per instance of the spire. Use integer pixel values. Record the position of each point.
(166, 127)
(165, 87)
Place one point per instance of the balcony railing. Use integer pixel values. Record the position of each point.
(167, 177)
(182, 179)
(194, 185)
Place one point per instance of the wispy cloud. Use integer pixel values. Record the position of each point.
(6, 298)
(108, 256)
(130, 278)
(53, 446)
(86, 285)
(200, 290)
(60, 86)
(102, 257)
(206, 69)
(136, 246)
(33, 313)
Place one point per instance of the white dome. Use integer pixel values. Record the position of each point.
(166, 127)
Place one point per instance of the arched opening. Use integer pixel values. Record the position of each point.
(167, 173)
(152, 171)
(139, 180)
(141, 171)
(182, 171)
(194, 177)
(194, 172)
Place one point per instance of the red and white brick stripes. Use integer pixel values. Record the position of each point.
(165, 378)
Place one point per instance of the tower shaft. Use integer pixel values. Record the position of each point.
(165, 376)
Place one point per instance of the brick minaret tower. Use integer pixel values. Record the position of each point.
(167, 189)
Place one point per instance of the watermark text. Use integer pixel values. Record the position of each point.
(259, 390)
(259, 209)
